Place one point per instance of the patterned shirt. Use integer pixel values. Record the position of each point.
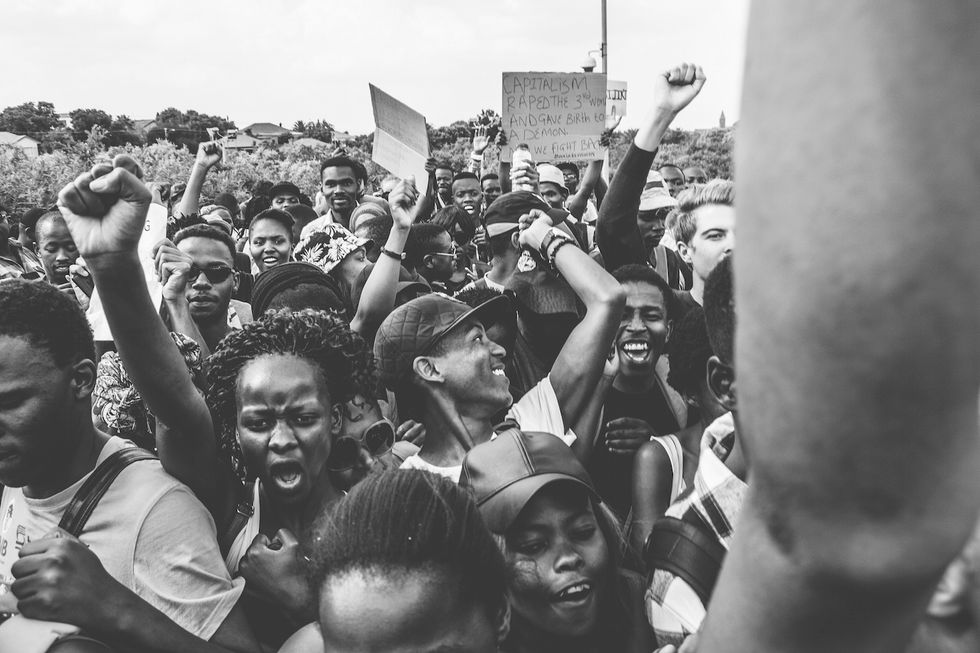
(673, 607)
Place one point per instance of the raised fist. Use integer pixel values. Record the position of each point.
(105, 209)
(675, 88)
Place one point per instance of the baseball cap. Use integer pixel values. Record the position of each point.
(505, 473)
(327, 245)
(505, 212)
(413, 329)
(552, 175)
(654, 195)
(284, 188)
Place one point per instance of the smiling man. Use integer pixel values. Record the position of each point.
(640, 403)
(435, 355)
(340, 187)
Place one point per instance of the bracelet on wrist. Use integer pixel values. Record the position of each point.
(553, 252)
(398, 257)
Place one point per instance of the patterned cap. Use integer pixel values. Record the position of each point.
(412, 329)
(654, 195)
(327, 246)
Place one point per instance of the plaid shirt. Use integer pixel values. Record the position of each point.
(24, 263)
(673, 608)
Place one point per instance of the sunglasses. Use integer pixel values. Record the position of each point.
(345, 454)
(454, 252)
(214, 275)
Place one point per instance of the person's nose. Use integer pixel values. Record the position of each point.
(569, 558)
(282, 439)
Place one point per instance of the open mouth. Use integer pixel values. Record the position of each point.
(270, 260)
(286, 476)
(469, 208)
(637, 351)
(576, 594)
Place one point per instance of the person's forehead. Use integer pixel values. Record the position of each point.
(550, 186)
(491, 183)
(715, 216)
(338, 173)
(284, 195)
(20, 354)
(444, 172)
(466, 184)
(203, 249)
(52, 229)
(280, 377)
(267, 227)
(670, 172)
(641, 293)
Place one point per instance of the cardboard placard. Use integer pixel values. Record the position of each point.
(401, 142)
(560, 116)
(615, 99)
(154, 230)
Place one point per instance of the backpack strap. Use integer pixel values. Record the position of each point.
(686, 548)
(244, 510)
(96, 485)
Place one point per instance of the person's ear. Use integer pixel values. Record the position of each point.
(336, 419)
(503, 622)
(83, 376)
(670, 330)
(515, 239)
(721, 382)
(426, 369)
(427, 261)
(684, 252)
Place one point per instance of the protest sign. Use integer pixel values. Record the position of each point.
(401, 142)
(615, 99)
(154, 230)
(559, 115)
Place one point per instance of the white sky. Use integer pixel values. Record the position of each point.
(279, 61)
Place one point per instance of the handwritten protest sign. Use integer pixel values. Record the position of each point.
(615, 99)
(559, 115)
(401, 142)
(154, 230)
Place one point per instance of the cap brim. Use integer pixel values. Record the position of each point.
(493, 311)
(501, 228)
(502, 508)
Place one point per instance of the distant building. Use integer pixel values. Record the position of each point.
(65, 119)
(13, 142)
(310, 142)
(721, 120)
(143, 127)
(342, 137)
(266, 131)
(235, 140)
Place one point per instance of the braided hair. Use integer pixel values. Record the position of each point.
(319, 337)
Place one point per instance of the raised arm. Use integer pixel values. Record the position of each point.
(208, 156)
(580, 362)
(857, 381)
(578, 202)
(105, 210)
(378, 296)
(616, 231)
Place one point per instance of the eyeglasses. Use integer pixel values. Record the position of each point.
(453, 252)
(214, 275)
(345, 454)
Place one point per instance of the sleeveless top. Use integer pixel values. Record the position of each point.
(675, 453)
(244, 538)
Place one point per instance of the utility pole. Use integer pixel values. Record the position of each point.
(605, 47)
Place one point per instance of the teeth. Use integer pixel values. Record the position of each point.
(499, 372)
(575, 591)
(636, 346)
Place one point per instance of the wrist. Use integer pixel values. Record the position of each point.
(111, 261)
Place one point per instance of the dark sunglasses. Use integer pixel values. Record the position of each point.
(214, 275)
(345, 454)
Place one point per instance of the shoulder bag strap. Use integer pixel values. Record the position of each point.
(687, 549)
(95, 486)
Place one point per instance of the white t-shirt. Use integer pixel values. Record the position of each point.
(538, 411)
(150, 533)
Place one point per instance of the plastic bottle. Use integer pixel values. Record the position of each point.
(522, 155)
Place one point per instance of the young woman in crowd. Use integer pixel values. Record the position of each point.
(276, 392)
(664, 467)
(405, 563)
(270, 239)
(563, 549)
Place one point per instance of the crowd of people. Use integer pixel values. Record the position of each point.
(498, 410)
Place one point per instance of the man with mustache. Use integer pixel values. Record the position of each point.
(340, 186)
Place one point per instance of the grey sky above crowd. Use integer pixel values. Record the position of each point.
(280, 61)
